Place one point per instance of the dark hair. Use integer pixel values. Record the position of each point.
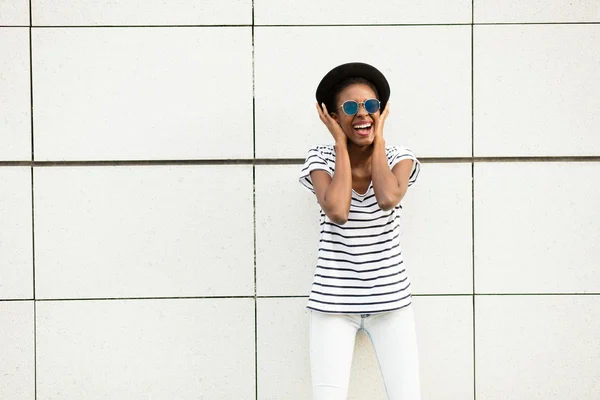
(333, 102)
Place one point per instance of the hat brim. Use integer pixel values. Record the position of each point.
(350, 70)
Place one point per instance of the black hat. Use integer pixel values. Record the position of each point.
(351, 70)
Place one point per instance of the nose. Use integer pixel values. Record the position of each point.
(361, 109)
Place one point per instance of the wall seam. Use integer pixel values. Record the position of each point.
(298, 296)
(254, 211)
(31, 110)
(473, 299)
(293, 161)
(305, 25)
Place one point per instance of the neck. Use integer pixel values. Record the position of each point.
(359, 154)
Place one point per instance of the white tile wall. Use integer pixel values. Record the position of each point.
(537, 11)
(16, 243)
(282, 349)
(445, 334)
(144, 231)
(428, 67)
(273, 12)
(161, 349)
(536, 90)
(437, 229)
(287, 232)
(148, 12)
(15, 102)
(537, 227)
(182, 80)
(537, 347)
(144, 93)
(14, 12)
(17, 350)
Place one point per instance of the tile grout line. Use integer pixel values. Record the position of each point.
(34, 292)
(254, 211)
(290, 161)
(298, 296)
(473, 192)
(423, 24)
(35, 385)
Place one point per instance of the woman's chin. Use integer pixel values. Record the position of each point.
(362, 141)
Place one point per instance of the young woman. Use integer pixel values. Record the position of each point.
(360, 281)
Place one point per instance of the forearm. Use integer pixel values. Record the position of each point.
(388, 190)
(336, 202)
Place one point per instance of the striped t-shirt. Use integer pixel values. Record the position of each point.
(360, 269)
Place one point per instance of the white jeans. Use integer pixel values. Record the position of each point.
(394, 339)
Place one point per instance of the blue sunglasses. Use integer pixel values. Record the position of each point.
(350, 107)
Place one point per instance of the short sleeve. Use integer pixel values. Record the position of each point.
(396, 154)
(319, 157)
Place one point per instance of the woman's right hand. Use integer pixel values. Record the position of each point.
(332, 125)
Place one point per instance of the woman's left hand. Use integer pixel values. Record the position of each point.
(380, 120)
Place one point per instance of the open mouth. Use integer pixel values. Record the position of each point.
(363, 128)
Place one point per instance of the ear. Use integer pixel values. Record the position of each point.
(335, 117)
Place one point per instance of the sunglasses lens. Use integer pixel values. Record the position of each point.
(350, 107)
(372, 106)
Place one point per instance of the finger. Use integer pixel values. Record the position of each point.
(322, 116)
(327, 114)
(319, 110)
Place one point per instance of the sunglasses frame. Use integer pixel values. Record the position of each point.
(358, 104)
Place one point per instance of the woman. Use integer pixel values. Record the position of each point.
(360, 281)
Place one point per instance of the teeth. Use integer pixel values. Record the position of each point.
(362, 126)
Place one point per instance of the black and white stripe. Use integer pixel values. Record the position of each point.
(359, 267)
